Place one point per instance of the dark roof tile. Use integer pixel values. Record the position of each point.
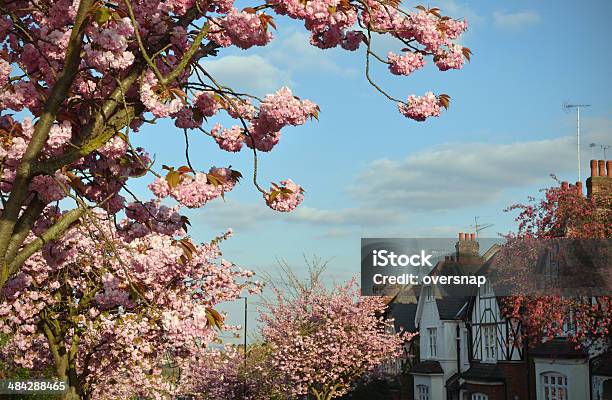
(427, 367)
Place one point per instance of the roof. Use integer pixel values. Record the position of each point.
(558, 348)
(453, 383)
(427, 367)
(603, 365)
(452, 298)
(484, 372)
(451, 307)
(403, 316)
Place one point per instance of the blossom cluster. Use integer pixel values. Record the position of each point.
(285, 197)
(420, 108)
(405, 64)
(195, 191)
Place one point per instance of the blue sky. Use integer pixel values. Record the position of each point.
(369, 172)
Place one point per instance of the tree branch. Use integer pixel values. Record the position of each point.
(58, 94)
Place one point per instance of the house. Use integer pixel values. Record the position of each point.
(469, 351)
(440, 318)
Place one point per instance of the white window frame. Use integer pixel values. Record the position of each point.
(479, 396)
(432, 337)
(554, 386)
(429, 296)
(569, 324)
(489, 343)
(423, 392)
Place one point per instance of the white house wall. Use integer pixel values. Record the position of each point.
(576, 371)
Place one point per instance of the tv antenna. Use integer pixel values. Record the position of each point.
(567, 107)
(479, 227)
(604, 147)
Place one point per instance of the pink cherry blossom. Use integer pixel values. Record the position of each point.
(420, 108)
(284, 197)
(228, 139)
(405, 64)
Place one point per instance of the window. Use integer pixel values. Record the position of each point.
(433, 341)
(429, 293)
(569, 323)
(554, 386)
(423, 392)
(480, 396)
(489, 343)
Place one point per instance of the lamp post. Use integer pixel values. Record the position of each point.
(244, 384)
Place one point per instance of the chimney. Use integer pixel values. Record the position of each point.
(599, 185)
(579, 187)
(467, 249)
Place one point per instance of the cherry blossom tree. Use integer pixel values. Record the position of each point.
(109, 310)
(108, 289)
(323, 340)
(85, 76)
(226, 374)
(563, 212)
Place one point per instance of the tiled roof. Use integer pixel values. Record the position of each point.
(484, 372)
(403, 315)
(452, 298)
(427, 367)
(557, 348)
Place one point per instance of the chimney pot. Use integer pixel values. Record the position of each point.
(461, 236)
(472, 236)
(564, 185)
(602, 168)
(609, 168)
(593, 167)
(579, 187)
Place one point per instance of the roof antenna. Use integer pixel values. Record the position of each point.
(480, 227)
(567, 107)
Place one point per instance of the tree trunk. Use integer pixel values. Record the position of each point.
(71, 394)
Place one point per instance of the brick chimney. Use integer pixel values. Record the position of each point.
(467, 248)
(599, 184)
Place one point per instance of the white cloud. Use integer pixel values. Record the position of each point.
(469, 174)
(239, 215)
(252, 74)
(445, 177)
(515, 21)
(346, 216)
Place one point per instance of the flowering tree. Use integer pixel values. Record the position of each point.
(109, 309)
(106, 290)
(324, 340)
(563, 212)
(86, 74)
(226, 374)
